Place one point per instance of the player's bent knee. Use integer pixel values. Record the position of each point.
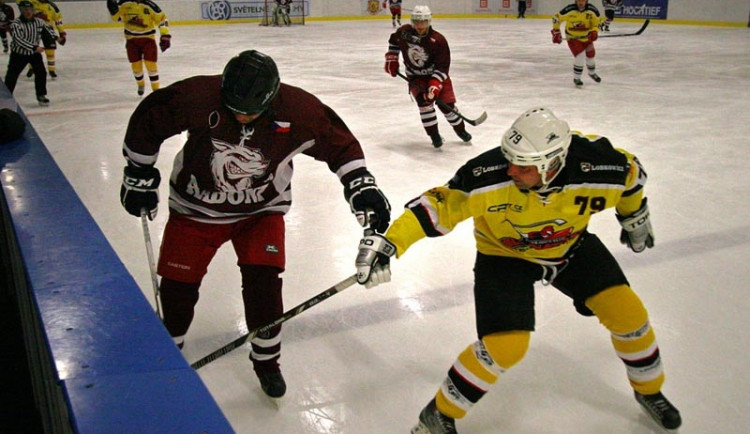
(507, 348)
(619, 309)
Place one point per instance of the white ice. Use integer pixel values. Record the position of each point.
(367, 361)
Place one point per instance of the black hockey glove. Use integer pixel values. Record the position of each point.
(140, 189)
(636, 229)
(367, 202)
(373, 259)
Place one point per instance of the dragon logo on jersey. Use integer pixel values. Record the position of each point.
(546, 238)
(417, 56)
(234, 167)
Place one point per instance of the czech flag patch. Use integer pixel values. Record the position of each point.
(281, 127)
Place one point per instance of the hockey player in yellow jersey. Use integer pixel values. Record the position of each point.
(581, 30)
(143, 20)
(50, 14)
(531, 200)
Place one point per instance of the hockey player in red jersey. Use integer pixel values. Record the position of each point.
(531, 200)
(232, 182)
(427, 59)
(395, 9)
(581, 30)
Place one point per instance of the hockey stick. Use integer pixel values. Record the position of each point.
(445, 106)
(643, 27)
(335, 289)
(151, 263)
(615, 35)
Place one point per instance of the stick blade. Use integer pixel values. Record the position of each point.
(479, 120)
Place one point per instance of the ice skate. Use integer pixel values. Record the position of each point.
(464, 135)
(437, 140)
(140, 89)
(594, 76)
(43, 101)
(578, 82)
(273, 386)
(431, 421)
(660, 410)
(53, 75)
(5, 48)
(29, 73)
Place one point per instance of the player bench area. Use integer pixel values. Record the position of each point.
(99, 357)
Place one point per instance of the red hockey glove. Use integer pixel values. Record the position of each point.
(63, 38)
(593, 36)
(556, 36)
(433, 90)
(391, 63)
(165, 42)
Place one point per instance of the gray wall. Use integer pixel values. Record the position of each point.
(699, 11)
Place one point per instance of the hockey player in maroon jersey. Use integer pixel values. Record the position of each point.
(581, 30)
(395, 9)
(427, 59)
(232, 182)
(6, 16)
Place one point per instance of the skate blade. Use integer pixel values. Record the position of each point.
(277, 402)
(657, 424)
(420, 428)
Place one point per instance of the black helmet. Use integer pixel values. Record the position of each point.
(249, 83)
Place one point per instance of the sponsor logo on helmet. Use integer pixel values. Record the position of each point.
(551, 137)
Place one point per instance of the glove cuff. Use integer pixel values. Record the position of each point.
(637, 219)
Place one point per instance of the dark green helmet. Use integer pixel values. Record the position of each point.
(249, 83)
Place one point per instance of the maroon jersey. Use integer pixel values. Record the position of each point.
(426, 56)
(227, 171)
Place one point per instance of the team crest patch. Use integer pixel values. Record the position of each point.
(271, 248)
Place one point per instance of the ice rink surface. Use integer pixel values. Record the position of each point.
(367, 361)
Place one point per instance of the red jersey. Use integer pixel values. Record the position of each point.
(227, 171)
(426, 56)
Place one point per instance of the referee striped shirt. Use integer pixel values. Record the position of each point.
(27, 35)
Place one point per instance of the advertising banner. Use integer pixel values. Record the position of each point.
(506, 7)
(653, 9)
(222, 10)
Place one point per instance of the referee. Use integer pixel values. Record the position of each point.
(27, 48)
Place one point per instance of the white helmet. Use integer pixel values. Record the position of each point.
(538, 138)
(421, 13)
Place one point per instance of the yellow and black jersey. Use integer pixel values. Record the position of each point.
(539, 227)
(49, 13)
(578, 24)
(142, 19)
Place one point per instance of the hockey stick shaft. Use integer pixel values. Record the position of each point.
(616, 35)
(151, 262)
(291, 313)
(643, 27)
(445, 106)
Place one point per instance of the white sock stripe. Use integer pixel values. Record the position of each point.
(638, 355)
(642, 374)
(263, 357)
(633, 335)
(266, 343)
